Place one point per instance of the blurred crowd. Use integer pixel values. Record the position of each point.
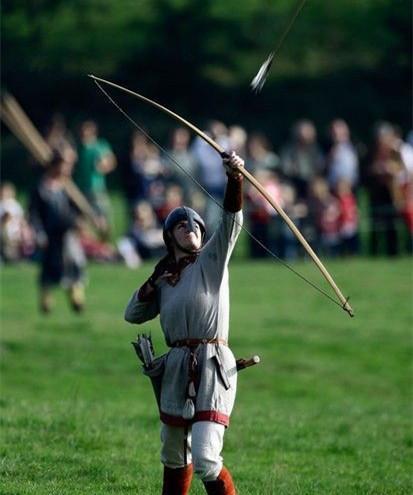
(316, 180)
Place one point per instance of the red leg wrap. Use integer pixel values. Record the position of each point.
(223, 485)
(177, 481)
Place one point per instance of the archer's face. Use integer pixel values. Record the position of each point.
(189, 240)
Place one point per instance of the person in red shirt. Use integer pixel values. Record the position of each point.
(261, 215)
(348, 220)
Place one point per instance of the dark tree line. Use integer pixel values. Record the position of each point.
(348, 57)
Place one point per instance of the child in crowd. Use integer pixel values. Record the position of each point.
(16, 238)
(174, 197)
(95, 249)
(297, 211)
(261, 214)
(325, 210)
(145, 233)
(348, 220)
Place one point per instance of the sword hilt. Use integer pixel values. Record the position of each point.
(246, 363)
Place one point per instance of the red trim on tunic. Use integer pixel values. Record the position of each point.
(214, 416)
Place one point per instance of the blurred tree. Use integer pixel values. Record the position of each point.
(347, 57)
(225, 42)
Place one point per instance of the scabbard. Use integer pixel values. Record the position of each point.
(221, 370)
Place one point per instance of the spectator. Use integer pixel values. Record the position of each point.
(405, 180)
(325, 211)
(96, 160)
(174, 197)
(297, 211)
(58, 137)
(54, 219)
(407, 210)
(16, 239)
(145, 233)
(210, 171)
(260, 155)
(263, 218)
(342, 159)
(95, 249)
(146, 178)
(237, 140)
(384, 169)
(136, 186)
(348, 221)
(181, 153)
(302, 160)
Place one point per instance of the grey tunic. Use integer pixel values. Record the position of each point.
(197, 308)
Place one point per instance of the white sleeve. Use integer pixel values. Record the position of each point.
(140, 311)
(216, 254)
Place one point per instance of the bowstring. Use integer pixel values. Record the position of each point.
(195, 181)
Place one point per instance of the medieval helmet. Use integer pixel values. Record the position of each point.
(178, 215)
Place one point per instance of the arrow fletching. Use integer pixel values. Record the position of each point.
(259, 80)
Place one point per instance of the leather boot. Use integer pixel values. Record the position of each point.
(177, 481)
(77, 297)
(45, 305)
(223, 485)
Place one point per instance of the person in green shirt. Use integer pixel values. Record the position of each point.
(96, 160)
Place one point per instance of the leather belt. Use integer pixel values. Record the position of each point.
(196, 342)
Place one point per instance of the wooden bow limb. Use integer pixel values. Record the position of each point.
(25, 124)
(174, 115)
(224, 154)
(15, 128)
(21, 126)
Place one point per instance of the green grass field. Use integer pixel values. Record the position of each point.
(328, 410)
